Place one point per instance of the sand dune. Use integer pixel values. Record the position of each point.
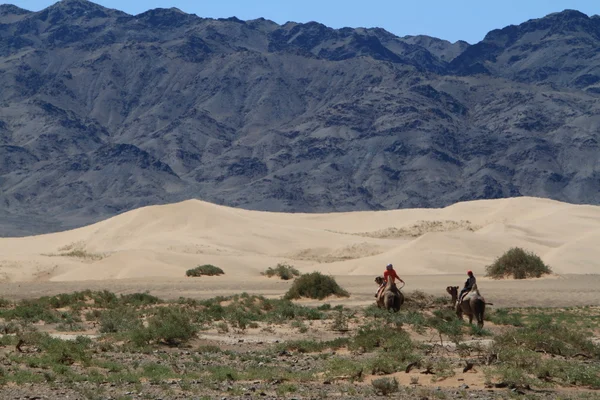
(167, 240)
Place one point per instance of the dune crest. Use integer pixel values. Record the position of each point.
(167, 240)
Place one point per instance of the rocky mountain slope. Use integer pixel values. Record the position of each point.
(102, 112)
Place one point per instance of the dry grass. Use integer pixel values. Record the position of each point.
(77, 250)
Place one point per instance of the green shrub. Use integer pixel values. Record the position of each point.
(284, 271)
(69, 299)
(394, 342)
(172, 325)
(31, 311)
(313, 346)
(551, 338)
(56, 351)
(206, 269)
(105, 299)
(519, 264)
(67, 352)
(157, 372)
(315, 286)
(120, 319)
(385, 386)
(139, 299)
(70, 322)
(342, 366)
(340, 321)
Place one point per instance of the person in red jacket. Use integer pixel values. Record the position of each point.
(390, 273)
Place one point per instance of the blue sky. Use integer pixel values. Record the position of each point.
(452, 20)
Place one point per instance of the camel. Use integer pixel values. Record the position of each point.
(473, 304)
(390, 297)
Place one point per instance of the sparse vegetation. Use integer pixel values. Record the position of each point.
(152, 346)
(77, 250)
(519, 264)
(315, 286)
(284, 271)
(207, 269)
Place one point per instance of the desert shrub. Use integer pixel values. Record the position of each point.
(207, 269)
(139, 299)
(62, 300)
(157, 372)
(21, 377)
(300, 325)
(245, 310)
(519, 264)
(282, 310)
(11, 327)
(31, 311)
(105, 299)
(393, 342)
(172, 325)
(209, 348)
(93, 315)
(418, 300)
(385, 364)
(67, 352)
(313, 346)
(284, 271)
(342, 366)
(56, 351)
(222, 327)
(69, 323)
(120, 319)
(520, 362)
(570, 372)
(340, 321)
(511, 376)
(385, 386)
(315, 286)
(286, 388)
(551, 338)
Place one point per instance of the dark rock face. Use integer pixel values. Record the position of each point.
(102, 112)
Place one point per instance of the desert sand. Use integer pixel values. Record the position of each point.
(156, 245)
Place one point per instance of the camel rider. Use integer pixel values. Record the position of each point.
(468, 285)
(390, 273)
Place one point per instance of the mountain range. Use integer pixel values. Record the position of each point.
(102, 112)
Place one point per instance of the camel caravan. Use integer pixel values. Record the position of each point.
(468, 302)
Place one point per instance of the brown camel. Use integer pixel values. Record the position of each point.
(473, 304)
(390, 298)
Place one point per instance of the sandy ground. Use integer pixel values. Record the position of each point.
(558, 291)
(152, 247)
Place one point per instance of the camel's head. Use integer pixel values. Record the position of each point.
(379, 280)
(452, 290)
